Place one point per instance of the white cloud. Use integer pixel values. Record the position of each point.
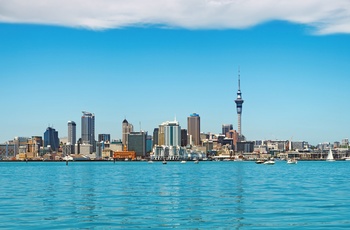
(324, 15)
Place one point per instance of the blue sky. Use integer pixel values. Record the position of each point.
(294, 77)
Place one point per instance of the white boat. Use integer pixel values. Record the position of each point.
(196, 161)
(164, 162)
(346, 158)
(269, 162)
(292, 161)
(67, 158)
(150, 162)
(183, 162)
(330, 155)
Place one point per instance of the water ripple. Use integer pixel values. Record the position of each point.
(137, 195)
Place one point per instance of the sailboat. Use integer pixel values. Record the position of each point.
(330, 155)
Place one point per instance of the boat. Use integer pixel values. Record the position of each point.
(330, 155)
(164, 162)
(292, 161)
(346, 158)
(269, 162)
(259, 161)
(183, 162)
(67, 158)
(150, 162)
(196, 161)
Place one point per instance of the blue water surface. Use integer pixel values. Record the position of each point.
(208, 195)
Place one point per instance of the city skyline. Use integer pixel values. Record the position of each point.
(294, 71)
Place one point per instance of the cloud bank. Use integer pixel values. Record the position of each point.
(325, 16)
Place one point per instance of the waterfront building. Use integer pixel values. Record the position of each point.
(33, 146)
(155, 136)
(88, 130)
(239, 104)
(260, 149)
(345, 142)
(299, 145)
(245, 146)
(194, 129)
(51, 139)
(7, 150)
(209, 145)
(169, 153)
(72, 132)
(336, 144)
(149, 143)
(172, 133)
(20, 141)
(85, 149)
(203, 136)
(72, 138)
(125, 154)
(277, 145)
(183, 137)
(116, 145)
(226, 128)
(137, 143)
(104, 137)
(126, 129)
(161, 140)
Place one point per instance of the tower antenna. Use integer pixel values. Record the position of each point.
(239, 78)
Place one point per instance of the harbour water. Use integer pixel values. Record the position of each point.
(208, 195)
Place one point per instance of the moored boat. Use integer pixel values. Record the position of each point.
(269, 162)
(292, 161)
(330, 155)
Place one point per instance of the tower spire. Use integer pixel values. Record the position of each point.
(239, 79)
(239, 102)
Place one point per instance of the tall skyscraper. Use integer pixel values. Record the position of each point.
(183, 137)
(88, 129)
(172, 133)
(155, 136)
(51, 138)
(137, 142)
(239, 102)
(72, 133)
(126, 129)
(194, 128)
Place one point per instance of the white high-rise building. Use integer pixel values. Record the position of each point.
(172, 133)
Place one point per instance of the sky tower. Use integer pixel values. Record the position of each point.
(239, 102)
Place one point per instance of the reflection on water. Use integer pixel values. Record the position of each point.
(225, 195)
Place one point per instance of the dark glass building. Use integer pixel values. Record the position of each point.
(88, 129)
(137, 143)
(183, 137)
(155, 136)
(104, 137)
(51, 139)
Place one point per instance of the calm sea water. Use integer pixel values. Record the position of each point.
(137, 195)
